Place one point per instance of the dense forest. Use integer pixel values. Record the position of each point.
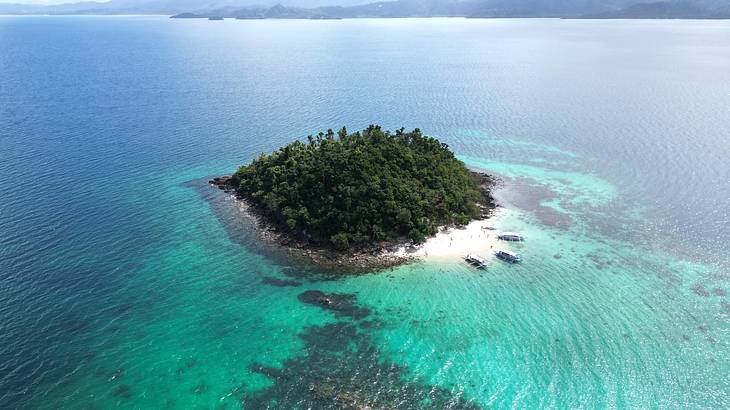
(348, 190)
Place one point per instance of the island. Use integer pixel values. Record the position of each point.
(625, 9)
(361, 198)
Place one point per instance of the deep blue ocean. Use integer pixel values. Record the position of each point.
(126, 281)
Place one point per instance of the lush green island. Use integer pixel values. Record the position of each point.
(354, 192)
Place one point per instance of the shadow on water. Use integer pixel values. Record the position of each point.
(343, 369)
(243, 230)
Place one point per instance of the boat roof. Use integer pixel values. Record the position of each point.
(510, 253)
(475, 257)
(511, 233)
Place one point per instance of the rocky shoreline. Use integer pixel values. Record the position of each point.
(377, 257)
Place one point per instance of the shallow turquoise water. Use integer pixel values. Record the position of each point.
(127, 282)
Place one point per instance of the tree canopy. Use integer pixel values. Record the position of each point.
(352, 189)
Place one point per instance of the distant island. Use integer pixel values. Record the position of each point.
(341, 9)
(355, 196)
(672, 9)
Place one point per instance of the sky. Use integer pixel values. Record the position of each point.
(42, 2)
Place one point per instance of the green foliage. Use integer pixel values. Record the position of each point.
(340, 241)
(351, 189)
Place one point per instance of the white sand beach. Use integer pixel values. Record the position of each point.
(455, 243)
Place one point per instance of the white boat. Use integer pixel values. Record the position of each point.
(508, 256)
(476, 261)
(511, 236)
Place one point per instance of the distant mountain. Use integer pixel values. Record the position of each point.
(428, 8)
(490, 9)
(336, 9)
(666, 10)
(545, 8)
(160, 6)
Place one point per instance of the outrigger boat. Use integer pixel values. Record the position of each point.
(476, 261)
(511, 236)
(508, 256)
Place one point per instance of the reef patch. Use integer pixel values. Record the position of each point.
(341, 304)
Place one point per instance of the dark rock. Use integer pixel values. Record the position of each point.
(225, 182)
(270, 372)
(700, 290)
(370, 324)
(340, 304)
(346, 373)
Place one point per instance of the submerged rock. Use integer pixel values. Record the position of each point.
(700, 290)
(224, 182)
(343, 369)
(339, 303)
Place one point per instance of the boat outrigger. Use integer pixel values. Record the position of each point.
(511, 236)
(476, 261)
(508, 256)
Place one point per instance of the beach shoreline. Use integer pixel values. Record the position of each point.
(451, 243)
